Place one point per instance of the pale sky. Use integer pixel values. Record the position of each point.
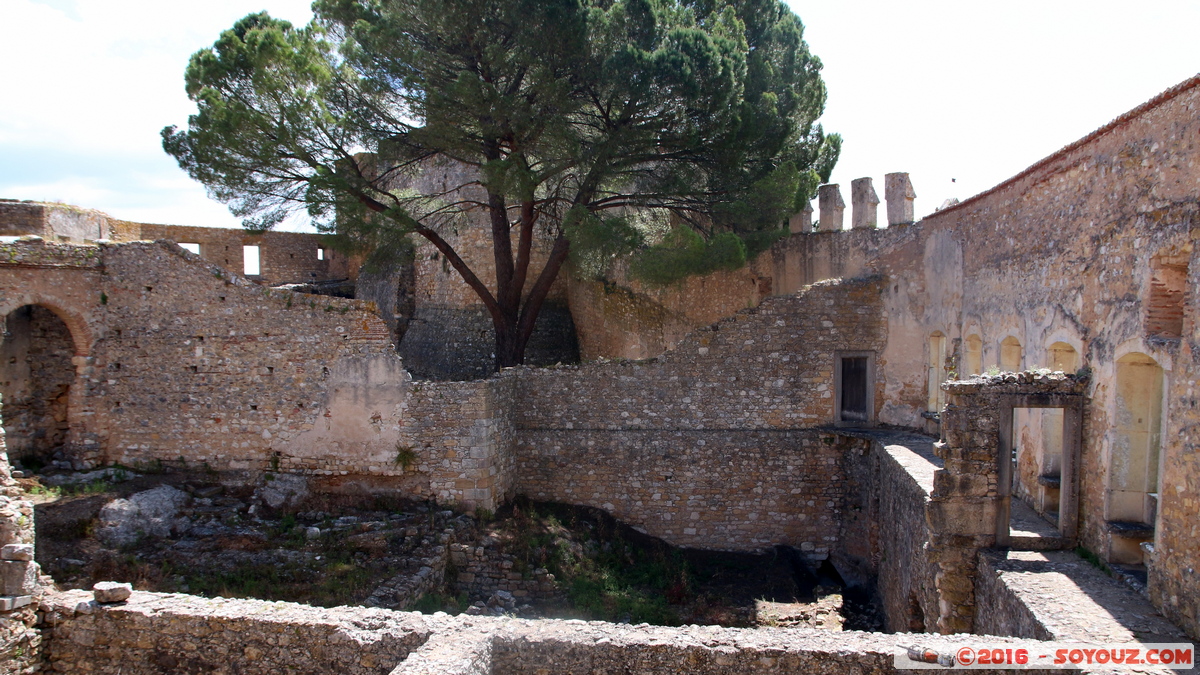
(961, 95)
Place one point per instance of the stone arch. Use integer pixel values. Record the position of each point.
(39, 382)
(82, 335)
(1131, 502)
(1011, 354)
(972, 356)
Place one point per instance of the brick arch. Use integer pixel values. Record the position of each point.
(82, 335)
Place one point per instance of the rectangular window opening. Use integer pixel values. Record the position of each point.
(320, 254)
(853, 388)
(194, 248)
(251, 266)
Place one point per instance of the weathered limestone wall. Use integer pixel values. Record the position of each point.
(155, 633)
(464, 434)
(285, 257)
(905, 574)
(175, 358)
(1000, 611)
(56, 222)
(1067, 252)
(709, 445)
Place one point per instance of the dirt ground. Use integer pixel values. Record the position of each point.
(331, 550)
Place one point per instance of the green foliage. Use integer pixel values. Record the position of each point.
(684, 253)
(609, 578)
(406, 457)
(572, 119)
(1093, 559)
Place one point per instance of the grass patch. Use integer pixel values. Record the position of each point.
(606, 575)
(441, 602)
(1093, 559)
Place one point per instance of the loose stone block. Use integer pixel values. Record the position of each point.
(17, 552)
(18, 577)
(111, 591)
(9, 603)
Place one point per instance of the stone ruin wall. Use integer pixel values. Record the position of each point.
(180, 362)
(152, 633)
(284, 257)
(1065, 252)
(710, 445)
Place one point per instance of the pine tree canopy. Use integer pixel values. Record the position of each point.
(678, 133)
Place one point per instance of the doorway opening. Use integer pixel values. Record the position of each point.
(1039, 458)
(36, 376)
(854, 379)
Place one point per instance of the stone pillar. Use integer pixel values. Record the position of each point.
(865, 203)
(801, 223)
(832, 208)
(898, 191)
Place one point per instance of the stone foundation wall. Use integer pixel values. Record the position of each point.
(715, 489)
(999, 610)
(906, 579)
(463, 434)
(154, 633)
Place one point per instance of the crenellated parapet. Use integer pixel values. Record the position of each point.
(864, 206)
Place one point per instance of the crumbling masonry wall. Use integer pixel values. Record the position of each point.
(21, 587)
(711, 445)
(153, 633)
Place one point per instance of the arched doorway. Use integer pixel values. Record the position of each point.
(1133, 461)
(36, 376)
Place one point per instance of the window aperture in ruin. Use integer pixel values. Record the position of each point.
(936, 367)
(854, 388)
(250, 266)
(320, 254)
(1164, 307)
(973, 356)
(1010, 354)
(36, 376)
(194, 248)
(853, 378)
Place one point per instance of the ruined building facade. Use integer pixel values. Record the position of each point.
(736, 411)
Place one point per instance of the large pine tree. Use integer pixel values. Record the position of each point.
(579, 120)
